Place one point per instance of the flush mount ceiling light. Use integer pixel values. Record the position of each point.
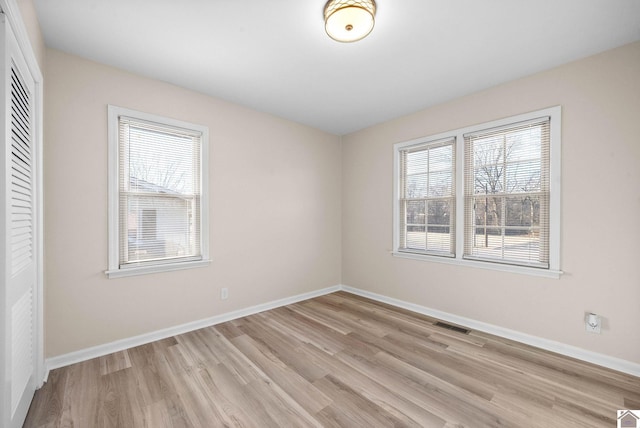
(349, 20)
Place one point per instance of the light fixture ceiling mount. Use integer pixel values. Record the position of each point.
(349, 20)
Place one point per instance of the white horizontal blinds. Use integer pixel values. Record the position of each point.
(427, 198)
(159, 192)
(507, 194)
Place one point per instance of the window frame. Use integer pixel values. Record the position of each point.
(114, 269)
(553, 271)
(403, 178)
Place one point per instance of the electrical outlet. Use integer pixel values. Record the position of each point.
(224, 293)
(593, 323)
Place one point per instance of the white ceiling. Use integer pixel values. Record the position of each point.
(274, 56)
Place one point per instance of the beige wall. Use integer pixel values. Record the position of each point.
(287, 238)
(275, 209)
(600, 98)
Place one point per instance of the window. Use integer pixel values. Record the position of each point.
(158, 193)
(427, 199)
(508, 205)
(507, 194)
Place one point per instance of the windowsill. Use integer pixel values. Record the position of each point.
(525, 270)
(142, 270)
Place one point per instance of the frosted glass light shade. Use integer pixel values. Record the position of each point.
(349, 20)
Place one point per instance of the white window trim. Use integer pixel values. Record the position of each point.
(554, 203)
(114, 270)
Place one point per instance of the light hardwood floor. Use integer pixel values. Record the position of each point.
(337, 360)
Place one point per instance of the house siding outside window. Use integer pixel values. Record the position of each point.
(158, 193)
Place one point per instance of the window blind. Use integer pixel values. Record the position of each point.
(427, 198)
(159, 193)
(506, 206)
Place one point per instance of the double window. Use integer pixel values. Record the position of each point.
(158, 195)
(497, 183)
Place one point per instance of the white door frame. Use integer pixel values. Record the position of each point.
(12, 12)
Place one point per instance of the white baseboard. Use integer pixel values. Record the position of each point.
(120, 345)
(549, 345)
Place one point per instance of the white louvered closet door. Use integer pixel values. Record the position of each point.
(18, 332)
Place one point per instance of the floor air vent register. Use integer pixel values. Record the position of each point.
(452, 327)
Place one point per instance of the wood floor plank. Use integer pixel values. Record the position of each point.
(368, 386)
(196, 400)
(562, 385)
(289, 351)
(82, 382)
(240, 402)
(306, 330)
(350, 409)
(48, 412)
(308, 396)
(216, 381)
(326, 319)
(338, 360)
(113, 362)
(465, 409)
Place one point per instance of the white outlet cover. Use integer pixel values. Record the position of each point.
(593, 323)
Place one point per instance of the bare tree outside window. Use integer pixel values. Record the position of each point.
(428, 198)
(497, 182)
(168, 164)
(508, 193)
